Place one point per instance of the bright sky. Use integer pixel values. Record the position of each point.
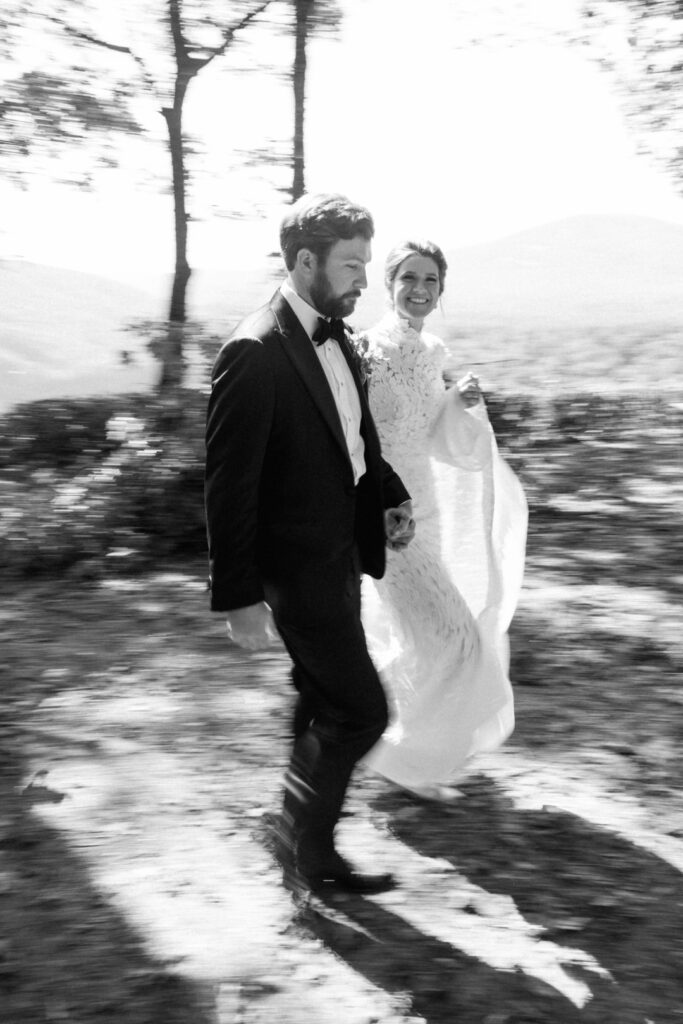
(436, 133)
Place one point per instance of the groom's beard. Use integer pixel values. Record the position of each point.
(326, 302)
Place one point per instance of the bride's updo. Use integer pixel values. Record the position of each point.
(403, 250)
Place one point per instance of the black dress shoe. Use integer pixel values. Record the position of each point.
(339, 874)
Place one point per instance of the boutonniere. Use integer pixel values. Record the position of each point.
(365, 357)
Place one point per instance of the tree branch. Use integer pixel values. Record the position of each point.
(86, 37)
(230, 34)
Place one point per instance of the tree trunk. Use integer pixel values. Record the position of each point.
(172, 356)
(302, 10)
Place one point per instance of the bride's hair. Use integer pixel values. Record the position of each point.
(403, 250)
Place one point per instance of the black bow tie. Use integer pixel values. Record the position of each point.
(333, 328)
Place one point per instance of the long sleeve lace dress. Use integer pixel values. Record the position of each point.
(437, 623)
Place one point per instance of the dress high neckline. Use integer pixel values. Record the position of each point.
(391, 321)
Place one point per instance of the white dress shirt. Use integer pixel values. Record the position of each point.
(339, 377)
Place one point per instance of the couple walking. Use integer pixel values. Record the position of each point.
(304, 497)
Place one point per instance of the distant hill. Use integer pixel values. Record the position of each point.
(594, 270)
(583, 303)
(591, 270)
(582, 300)
(61, 334)
(61, 330)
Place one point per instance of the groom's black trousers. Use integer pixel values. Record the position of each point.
(341, 708)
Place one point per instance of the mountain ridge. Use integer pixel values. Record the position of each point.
(62, 329)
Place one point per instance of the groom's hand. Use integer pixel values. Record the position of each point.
(399, 526)
(252, 627)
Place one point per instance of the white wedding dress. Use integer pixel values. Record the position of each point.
(437, 622)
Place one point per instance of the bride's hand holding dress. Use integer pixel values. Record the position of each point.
(468, 389)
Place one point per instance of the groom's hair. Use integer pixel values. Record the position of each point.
(317, 221)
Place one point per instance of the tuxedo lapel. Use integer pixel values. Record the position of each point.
(299, 349)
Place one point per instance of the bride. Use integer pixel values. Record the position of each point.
(437, 623)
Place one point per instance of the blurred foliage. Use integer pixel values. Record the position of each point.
(104, 482)
(640, 42)
(100, 482)
(185, 351)
(75, 77)
(55, 103)
(42, 107)
(614, 438)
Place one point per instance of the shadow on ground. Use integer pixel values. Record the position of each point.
(68, 955)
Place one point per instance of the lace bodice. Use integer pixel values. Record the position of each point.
(406, 384)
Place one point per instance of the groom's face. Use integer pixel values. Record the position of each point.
(339, 280)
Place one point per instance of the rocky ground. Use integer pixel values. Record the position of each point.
(139, 752)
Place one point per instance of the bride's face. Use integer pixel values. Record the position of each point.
(416, 288)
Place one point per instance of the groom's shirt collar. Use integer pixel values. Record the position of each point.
(305, 314)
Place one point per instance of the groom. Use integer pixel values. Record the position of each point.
(299, 503)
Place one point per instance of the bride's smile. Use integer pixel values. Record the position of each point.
(416, 289)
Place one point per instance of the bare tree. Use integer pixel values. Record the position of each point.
(178, 40)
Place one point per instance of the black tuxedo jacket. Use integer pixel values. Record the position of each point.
(279, 483)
